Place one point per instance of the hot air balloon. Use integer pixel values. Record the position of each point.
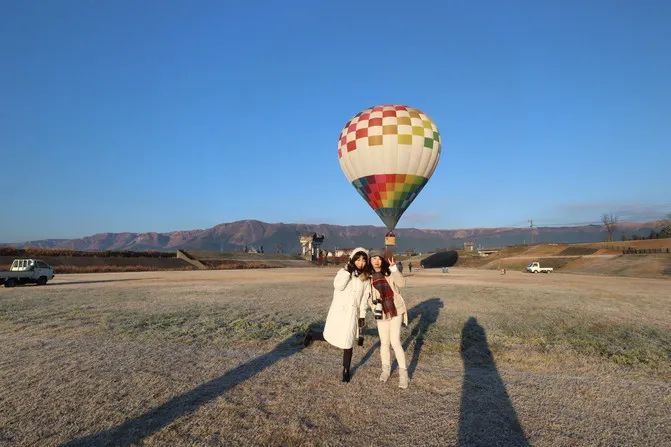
(388, 153)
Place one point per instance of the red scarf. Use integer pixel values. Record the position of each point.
(386, 294)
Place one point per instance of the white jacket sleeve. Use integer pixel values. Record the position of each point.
(399, 279)
(341, 279)
(363, 306)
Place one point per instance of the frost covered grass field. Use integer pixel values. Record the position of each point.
(215, 358)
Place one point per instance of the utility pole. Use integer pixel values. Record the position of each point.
(531, 230)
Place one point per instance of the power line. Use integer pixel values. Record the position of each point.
(624, 214)
(570, 224)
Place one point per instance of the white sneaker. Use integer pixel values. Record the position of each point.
(386, 372)
(403, 379)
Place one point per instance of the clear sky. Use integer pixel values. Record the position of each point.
(175, 115)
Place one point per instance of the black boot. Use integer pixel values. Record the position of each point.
(307, 341)
(345, 374)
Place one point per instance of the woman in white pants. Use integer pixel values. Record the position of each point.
(390, 312)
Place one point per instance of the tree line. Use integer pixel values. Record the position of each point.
(32, 252)
(662, 228)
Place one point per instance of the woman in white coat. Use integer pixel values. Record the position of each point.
(347, 309)
(390, 312)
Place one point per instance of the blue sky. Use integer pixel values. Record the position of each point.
(174, 115)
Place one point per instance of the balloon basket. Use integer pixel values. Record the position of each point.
(389, 244)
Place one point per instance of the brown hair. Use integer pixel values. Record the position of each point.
(384, 268)
(365, 271)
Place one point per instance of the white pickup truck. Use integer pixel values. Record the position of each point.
(25, 271)
(535, 267)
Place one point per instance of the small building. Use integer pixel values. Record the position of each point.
(310, 244)
(487, 251)
(340, 252)
(469, 246)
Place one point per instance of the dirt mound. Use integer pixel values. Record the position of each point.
(603, 258)
(578, 251)
(545, 249)
(645, 266)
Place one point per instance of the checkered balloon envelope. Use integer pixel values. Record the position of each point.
(388, 153)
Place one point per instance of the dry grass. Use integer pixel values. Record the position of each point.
(67, 268)
(65, 264)
(214, 358)
(595, 259)
(105, 264)
(632, 265)
(643, 244)
(224, 265)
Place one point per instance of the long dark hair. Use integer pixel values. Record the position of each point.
(384, 268)
(352, 268)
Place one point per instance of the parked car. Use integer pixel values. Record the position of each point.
(25, 271)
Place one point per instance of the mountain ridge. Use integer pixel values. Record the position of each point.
(283, 237)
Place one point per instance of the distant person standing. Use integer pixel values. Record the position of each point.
(390, 313)
(410, 267)
(346, 316)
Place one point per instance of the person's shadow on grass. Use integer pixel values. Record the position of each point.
(487, 416)
(420, 317)
(134, 430)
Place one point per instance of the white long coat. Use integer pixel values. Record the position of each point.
(347, 306)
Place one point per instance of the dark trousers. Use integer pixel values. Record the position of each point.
(346, 353)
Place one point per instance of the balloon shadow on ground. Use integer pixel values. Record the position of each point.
(487, 416)
(134, 430)
(425, 314)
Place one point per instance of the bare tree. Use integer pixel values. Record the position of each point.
(610, 223)
(664, 226)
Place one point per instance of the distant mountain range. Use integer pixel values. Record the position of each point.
(281, 237)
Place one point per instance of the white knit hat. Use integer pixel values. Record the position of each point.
(357, 250)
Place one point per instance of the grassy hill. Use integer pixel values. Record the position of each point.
(649, 258)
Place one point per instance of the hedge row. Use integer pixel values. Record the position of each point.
(40, 252)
